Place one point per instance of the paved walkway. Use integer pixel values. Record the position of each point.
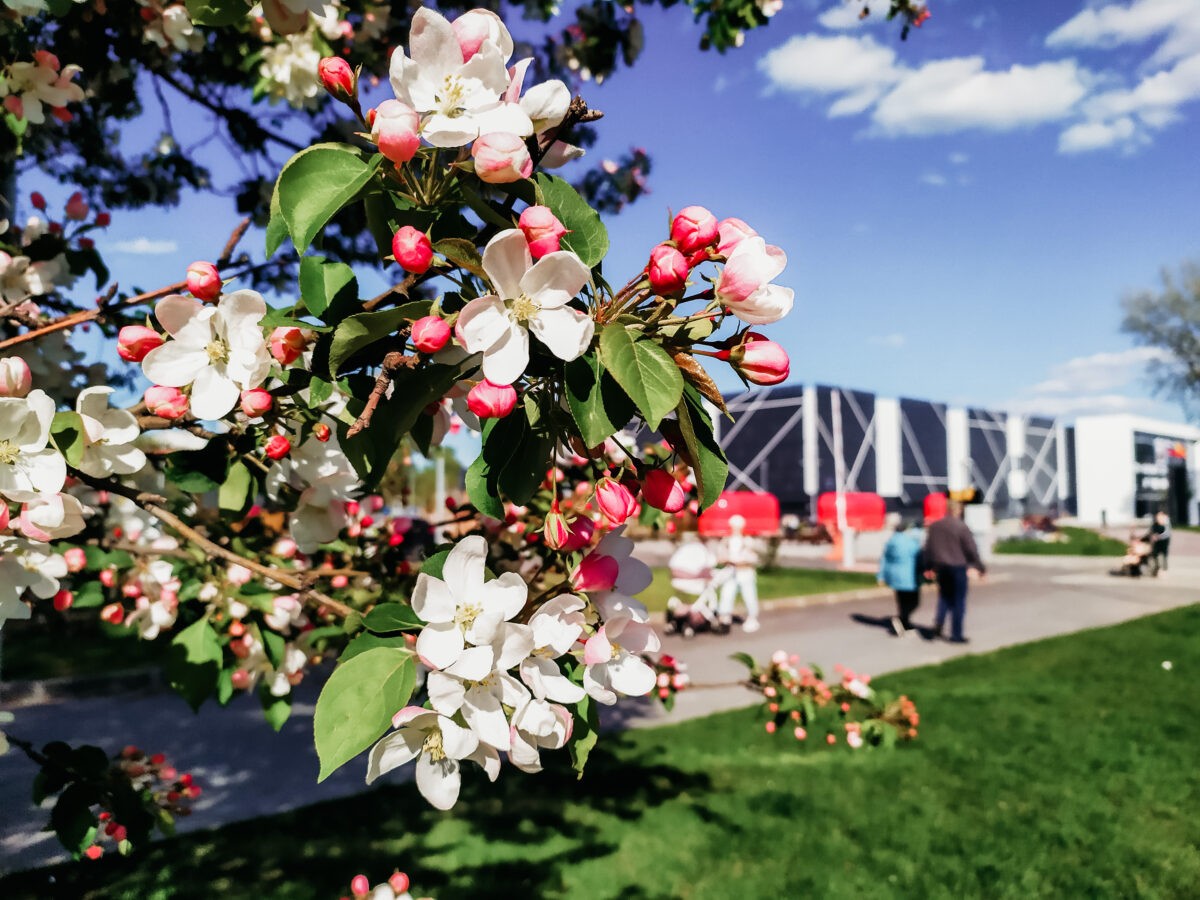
(248, 770)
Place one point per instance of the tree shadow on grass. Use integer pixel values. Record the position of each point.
(521, 835)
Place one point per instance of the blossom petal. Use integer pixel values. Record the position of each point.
(631, 675)
(392, 751)
(512, 644)
(175, 311)
(506, 360)
(445, 693)
(475, 664)
(439, 782)
(565, 331)
(483, 323)
(463, 569)
(434, 45)
(555, 278)
(506, 259)
(174, 364)
(432, 600)
(213, 394)
(457, 742)
(482, 711)
(440, 644)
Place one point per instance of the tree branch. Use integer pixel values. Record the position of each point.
(393, 362)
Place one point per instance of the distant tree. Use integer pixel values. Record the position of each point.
(1170, 320)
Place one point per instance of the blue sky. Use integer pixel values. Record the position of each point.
(961, 211)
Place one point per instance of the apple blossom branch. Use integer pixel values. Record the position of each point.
(392, 363)
(153, 504)
(104, 302)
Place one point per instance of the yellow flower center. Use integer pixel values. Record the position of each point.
(466, 615)
(451, 96)
(432, 746)
(524, 309)
(9, 452)
(218, 351)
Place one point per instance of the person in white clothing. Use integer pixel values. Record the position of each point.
(740, 551)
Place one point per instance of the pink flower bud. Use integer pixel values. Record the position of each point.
(830, 739)
(759, 360)
(38, 201)
(800, 734)
(135, 341)
(596, 572)
(770, 726)
(204, 281)
(4, 515)
(277, 447)
(108, 577)
(75, 559)
(491, 401)
(103, 220)
(501, 158)
(430, 334)
(287, 343)
(77, 208)
(542, 230)
(668, 271)
(285, 548)
(473, 28)
(15, 105)
(412, 250)
(166, 402)
(582, 531)
(257, 402)
(15, 378)
(556, 532)
(113, 614)
(322, 432)
(731, 233)
(337, 77)
(694, 228)
(360, 886)
(615, 501)
(63, 600)
(395, 128)
(339, 582)
(399, 883)
(240, 679)
(663, 491)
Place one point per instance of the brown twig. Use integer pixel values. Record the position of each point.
(153, 504)
(231, 244)
(392, 362)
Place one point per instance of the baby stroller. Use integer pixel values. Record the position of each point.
(1137, 555)
(694, 572)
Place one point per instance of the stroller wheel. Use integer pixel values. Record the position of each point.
(689, 632)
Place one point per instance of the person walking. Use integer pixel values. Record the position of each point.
(740, 551)
(900, 569)
(1160, 542)
(949, 551)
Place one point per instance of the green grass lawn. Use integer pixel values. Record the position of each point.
(79, 645)
(773, 584)
(1065, 768)
(1076, 542)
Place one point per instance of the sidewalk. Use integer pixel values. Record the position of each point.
(248, 770)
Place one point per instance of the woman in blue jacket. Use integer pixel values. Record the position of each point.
(900, 569)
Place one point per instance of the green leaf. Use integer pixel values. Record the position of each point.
(275, 709)
(277, 230)
(357, 703)
(316, 183)
(367, 641)
(482, 489)
(88, 595)
(217, 12)
(643, 370)
(746, 660)
(392, 617)
(432, 565)
(710, 465)
(199, 471)
(462, 253)
(597, 402)
(72, 818)
(235, 493)
(69, 436)
(194, 662)
(586, 733)
(586, 234)
(356, 332)
(322, 282)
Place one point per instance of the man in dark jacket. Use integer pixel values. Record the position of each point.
(949, 551)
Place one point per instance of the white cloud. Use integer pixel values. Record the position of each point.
(1097, 108)
(1105, 382)
(895, 340)
(144, 246)
(1069, 405)
(934, 179)
(959, 159)
(952, 95)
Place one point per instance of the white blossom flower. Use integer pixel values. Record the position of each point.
(289, 67)
(436, 742)
(326, 480)
(461, 607)
(39, 84)
(538, 725)
(51, 517)
(530, 297)
(556, 626)
(458, 100)
(152, 617)
(24, 564)
(28, 467)
(174, 29)
(219, 350)
(478, 686)
(633, 577)
(613, 661)
(108, 436)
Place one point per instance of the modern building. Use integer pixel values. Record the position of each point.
(799, 441)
